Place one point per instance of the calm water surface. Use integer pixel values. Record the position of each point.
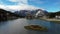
(17, 27)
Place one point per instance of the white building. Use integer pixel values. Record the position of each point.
(58, 17)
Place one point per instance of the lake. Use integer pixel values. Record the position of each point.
(17, 26)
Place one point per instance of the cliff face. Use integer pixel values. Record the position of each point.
(41, 13)
(31, 12)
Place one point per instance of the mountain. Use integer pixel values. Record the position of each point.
(24, 12)
(21, 13)
(5, 15)
(41, 13)
(32, 12)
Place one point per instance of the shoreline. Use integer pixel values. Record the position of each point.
(51, 20)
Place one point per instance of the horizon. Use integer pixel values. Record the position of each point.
(49, 5)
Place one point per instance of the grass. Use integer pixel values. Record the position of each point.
(58, 22)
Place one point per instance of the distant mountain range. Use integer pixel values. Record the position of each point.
(23, 13)
(33, 12)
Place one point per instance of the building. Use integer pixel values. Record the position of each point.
(57, 17)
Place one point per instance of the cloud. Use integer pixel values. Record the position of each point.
(22, 5)
(19, 7)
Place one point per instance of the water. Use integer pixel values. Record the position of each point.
(17, 27)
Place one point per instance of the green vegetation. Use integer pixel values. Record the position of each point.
(58, 22)
(53, 14)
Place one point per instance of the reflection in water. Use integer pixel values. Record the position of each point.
(39, 22)
(55, 28)
(17, 27)
(13, 27)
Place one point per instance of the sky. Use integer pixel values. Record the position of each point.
(49, 5)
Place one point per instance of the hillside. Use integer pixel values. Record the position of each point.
(53, 14)
(5, 15)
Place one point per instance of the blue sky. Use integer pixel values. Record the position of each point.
(49, 5)
(7, 2)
